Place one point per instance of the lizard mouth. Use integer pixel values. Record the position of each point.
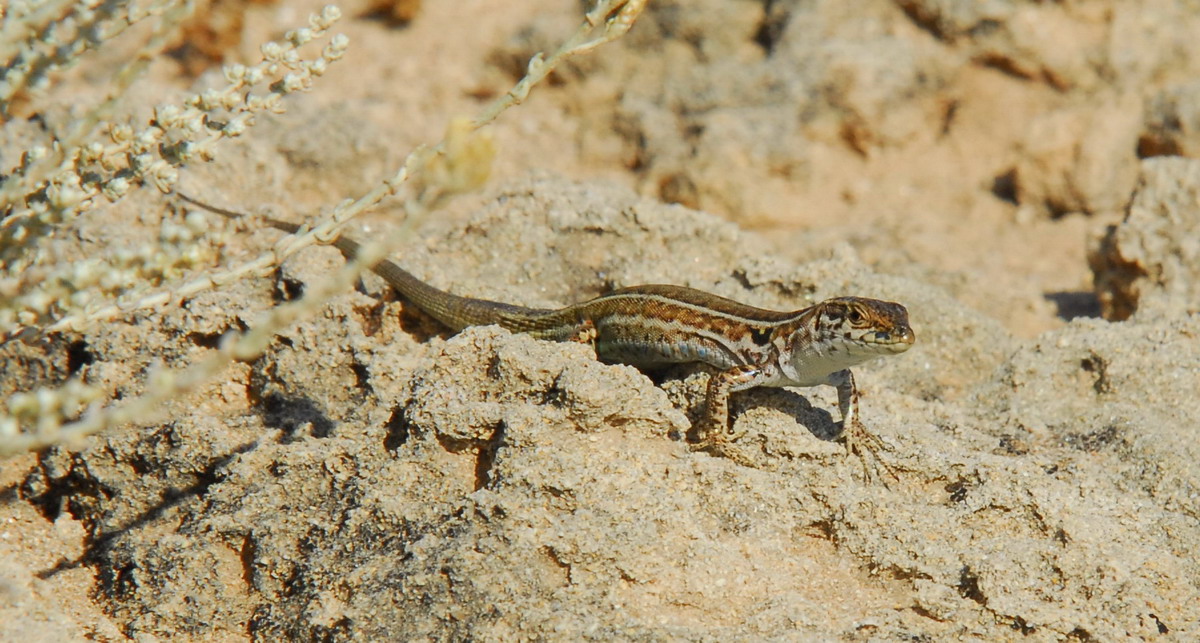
(891, 342)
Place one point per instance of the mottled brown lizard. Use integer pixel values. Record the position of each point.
(656, 325)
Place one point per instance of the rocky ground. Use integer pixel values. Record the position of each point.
(1019, 174)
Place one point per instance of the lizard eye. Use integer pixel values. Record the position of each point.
(855, 316)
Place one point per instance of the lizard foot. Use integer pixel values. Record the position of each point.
(585, 333)
(719, 442)
(867, 446)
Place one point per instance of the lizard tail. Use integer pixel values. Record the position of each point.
(455, 312)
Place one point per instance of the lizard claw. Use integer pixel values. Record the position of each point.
(585, 333)
(719, 442)
(724, 449)
(867, 446)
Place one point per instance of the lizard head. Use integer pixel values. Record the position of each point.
(859, 329)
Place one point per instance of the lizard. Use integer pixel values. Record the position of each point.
(652, 326)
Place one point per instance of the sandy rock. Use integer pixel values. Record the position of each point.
(25, 616)
(1080, 159)
(751, 115)
(1172, 123)
(1149, 263)
(491, 483)
(1067, 46)
(1055, 44)
(1099, 386)
(372, 476)
(954, 20)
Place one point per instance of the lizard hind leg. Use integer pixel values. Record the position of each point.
(715, 428)
(584, 333)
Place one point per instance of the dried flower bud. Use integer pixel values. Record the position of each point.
(271, 50)
(299, 37)
(234, 73)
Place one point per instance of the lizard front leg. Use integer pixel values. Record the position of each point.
(847, 399)
(857, 439)
(715, 430)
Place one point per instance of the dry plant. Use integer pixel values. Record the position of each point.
(103, 160)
